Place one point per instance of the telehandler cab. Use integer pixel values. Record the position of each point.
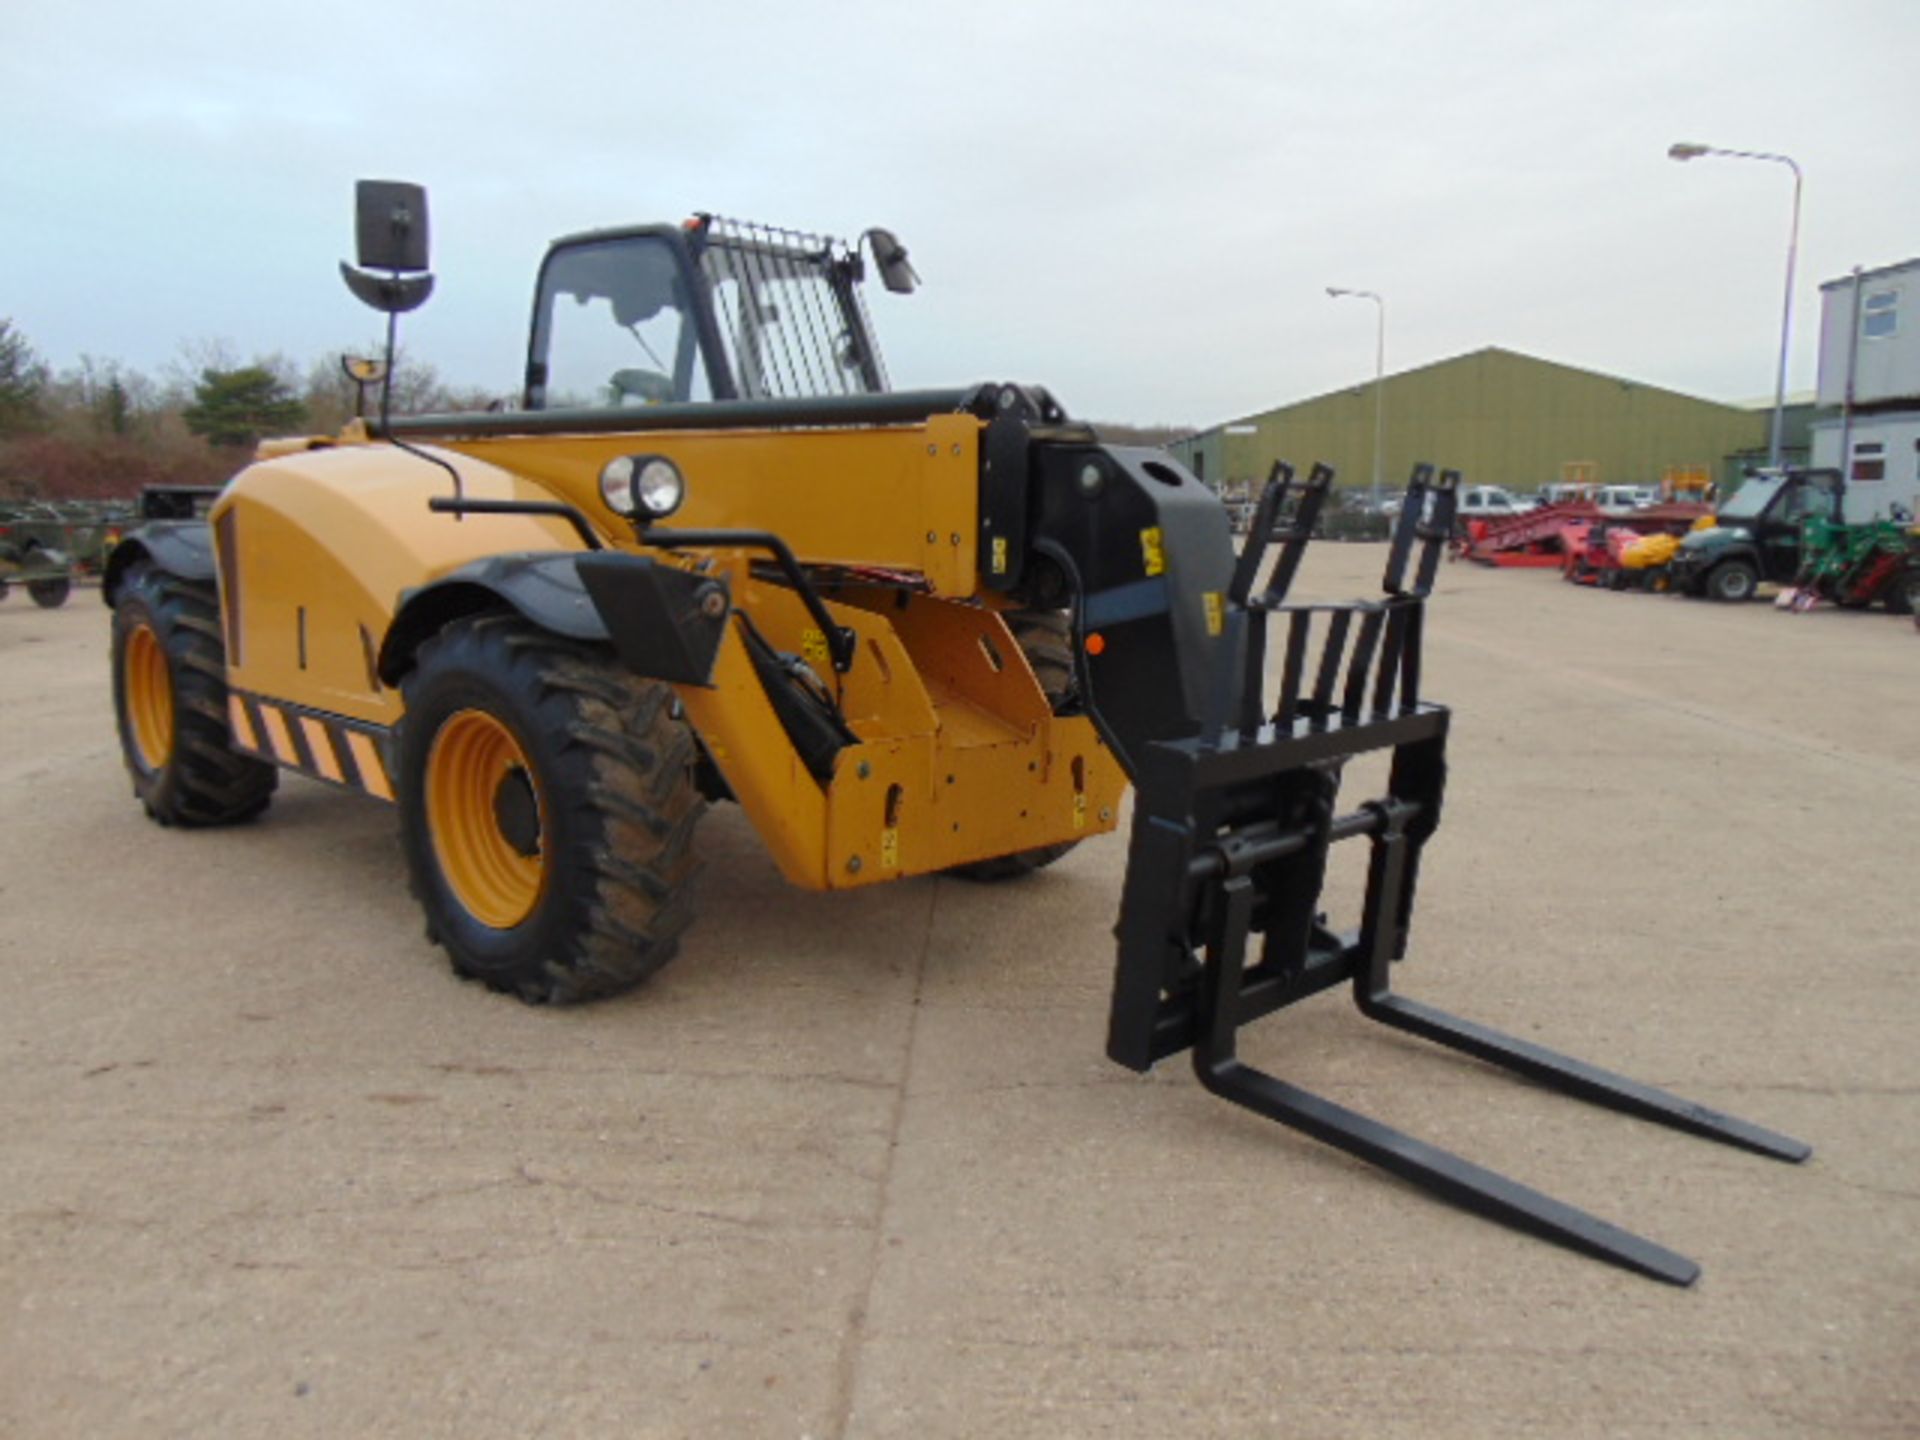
(713, 556)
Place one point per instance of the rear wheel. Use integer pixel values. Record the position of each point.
(547, 809)
(170, 698)
(1045, 637)
(1732, 581)
(1903, 594)
(50, 594)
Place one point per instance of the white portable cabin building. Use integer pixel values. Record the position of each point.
(1870, 370)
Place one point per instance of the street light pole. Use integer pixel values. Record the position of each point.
(1379, 382)
(1687, 151)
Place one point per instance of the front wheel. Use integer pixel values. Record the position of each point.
(1732, 581)
(547, 808)
(50, 594)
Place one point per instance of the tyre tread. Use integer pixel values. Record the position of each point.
(622, 769)
(205, 782)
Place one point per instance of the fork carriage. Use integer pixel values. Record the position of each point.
(1220, 921)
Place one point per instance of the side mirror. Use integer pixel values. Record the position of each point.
(891, 256)
(390, 231)
(390, 224)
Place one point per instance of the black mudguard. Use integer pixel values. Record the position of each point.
(179, 547)
(665, 622)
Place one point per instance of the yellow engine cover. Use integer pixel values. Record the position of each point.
(958, 755)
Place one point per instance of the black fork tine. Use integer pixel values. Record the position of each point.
(1331, 653)
(1446, 497)
(1360, 667)
(1299, 629)
(1306, 515)
(1404, 525)
(1260, 533)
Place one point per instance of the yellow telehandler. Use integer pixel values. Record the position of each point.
(713, 556)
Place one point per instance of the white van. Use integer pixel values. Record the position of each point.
(1619, 499)
(1485, 502)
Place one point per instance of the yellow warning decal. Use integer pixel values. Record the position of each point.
(1153, 551)
(813, 646)
(327, 747)
(1216, 612)
(373, 771)
(890, 848)
(999, 554)
(1079, 812)
(241, 724)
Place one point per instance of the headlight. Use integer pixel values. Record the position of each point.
(616, 484)
(650, 485)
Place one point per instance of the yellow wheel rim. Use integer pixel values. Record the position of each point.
(148, 688)
(486, 819)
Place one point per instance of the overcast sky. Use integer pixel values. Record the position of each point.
(1138, 203)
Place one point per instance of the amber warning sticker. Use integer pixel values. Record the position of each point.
(813, 646)
(1216, 612)
(999, 554)
(1152, 551)
(890, 848)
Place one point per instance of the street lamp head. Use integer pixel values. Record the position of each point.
(1335, 291)
(1687, 150)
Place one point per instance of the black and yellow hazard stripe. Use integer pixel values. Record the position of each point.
(342, 752)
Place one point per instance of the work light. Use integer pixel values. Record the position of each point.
(648, 485)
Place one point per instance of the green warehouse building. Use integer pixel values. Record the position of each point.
(1498, 417)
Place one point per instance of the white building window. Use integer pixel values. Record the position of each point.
(1870, 461)
(1879, 315)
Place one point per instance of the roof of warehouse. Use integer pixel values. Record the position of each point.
(1474, 355)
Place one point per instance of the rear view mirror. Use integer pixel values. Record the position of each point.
(390, 224)
(891, 256)
(390, 233)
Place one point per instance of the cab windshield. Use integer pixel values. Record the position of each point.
(720, 310)
(1753, 496)
(614, 327)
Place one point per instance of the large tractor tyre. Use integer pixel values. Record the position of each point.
(547, 809)
(1732, 581)
(1045, 637)
(170, 699)
(50, 594)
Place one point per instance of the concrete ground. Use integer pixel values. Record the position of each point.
(856, 1166)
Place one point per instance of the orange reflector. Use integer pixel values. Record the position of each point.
(1096, 643)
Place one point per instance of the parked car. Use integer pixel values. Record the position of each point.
(1619, 499)
(1485, 502)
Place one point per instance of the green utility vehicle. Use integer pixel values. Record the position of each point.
(1756, 534)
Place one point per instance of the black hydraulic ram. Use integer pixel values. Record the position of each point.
(1220, 919)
